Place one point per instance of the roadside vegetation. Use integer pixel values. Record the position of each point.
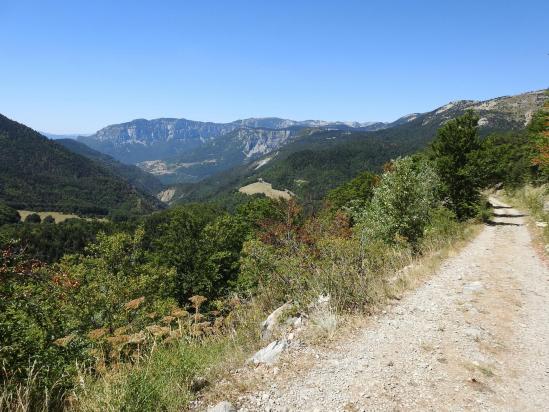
(143, 314)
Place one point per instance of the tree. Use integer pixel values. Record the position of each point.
(48, 219)
(401, 204)
(8, 215)
(219, 254)
(177, 246)
(356, 192)
(538, 130)
(33, 218)
(454, 152)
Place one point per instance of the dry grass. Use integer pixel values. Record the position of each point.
(532, 200)
(266, 189)
(58, 216)
(20, 397)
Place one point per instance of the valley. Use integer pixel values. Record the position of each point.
(146, 278)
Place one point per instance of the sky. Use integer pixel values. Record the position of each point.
(77, 66)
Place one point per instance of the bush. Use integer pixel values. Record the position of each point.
(48, 219)
(8, 215)
(401, 205)
(33, 218)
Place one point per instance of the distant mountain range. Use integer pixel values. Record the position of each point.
(40, 174)
(317, 160)
(180, 150)
(183, 151)
(55, 136)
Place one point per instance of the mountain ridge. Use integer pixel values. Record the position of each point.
(182, 150)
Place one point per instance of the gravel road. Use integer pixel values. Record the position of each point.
(475, 336)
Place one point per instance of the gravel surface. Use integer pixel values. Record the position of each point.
(473, 337)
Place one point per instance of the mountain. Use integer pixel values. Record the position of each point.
(39, 174)
(136, 177)
(187, 151)
(318, 160)
(55, 136)
(181, 150)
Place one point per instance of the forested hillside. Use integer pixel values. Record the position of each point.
(132, 174)
(37, 173)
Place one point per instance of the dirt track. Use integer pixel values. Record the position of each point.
(474, 337)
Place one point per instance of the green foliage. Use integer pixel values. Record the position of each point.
(506, 159)
(39, 174)
(33, 218)
(203, 245)
(48, 243)
(356, 192)
(113, 271)
(48, 219)
(538, 132)
(401, 204)
(8, 215)
(454, 152)
(259, 209)
(31, 318)
(46, 312)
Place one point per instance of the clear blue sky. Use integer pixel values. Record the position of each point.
(76, 66)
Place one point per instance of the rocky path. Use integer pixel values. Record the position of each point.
(474, 337)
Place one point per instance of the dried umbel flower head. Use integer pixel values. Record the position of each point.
(197, 301)
(135, 303)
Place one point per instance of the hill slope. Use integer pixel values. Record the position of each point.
(138, 178)
(37, 173)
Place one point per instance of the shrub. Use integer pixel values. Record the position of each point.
(48, 219)
(8, 215)
(33, 218)
(401, 204)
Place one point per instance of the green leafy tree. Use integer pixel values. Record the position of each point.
(48, 219)
(177, 246)
(261, 209)
(33, 218)
(401, 204)
(219, 254)
(505, 159)
(356, 192)
(112, 272)
(454, 152)
(8, 215)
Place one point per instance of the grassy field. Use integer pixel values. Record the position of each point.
(58, 216)
(266, 189)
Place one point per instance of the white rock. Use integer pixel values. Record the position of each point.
(270, 323)
(223, 406)
(270, 353)
(473, 286)
(323, 299)
(541, 224)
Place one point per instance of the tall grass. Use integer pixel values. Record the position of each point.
(18, 396)
(532, 200)
(169, 375)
